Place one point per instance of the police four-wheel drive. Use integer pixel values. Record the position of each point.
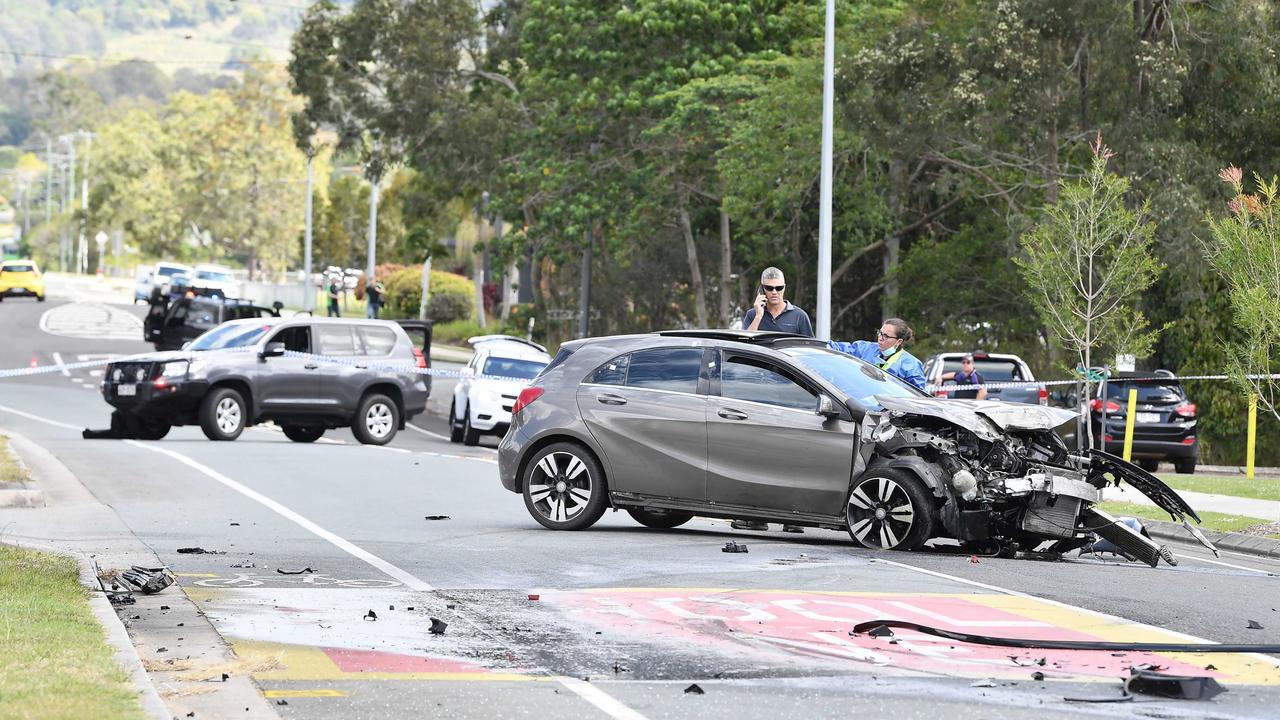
(305, 374)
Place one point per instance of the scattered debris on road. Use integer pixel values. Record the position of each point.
(1037, 676)
(1254, 625)
(872, 626)
(245, 565)
(532, 596)
(880, 631)
(199, 551)
(282, 571)
(436, 517)
(147, 581)
(437, 626)
(988, 683)
(1123, 697)
(371, 615)
(618, 667)
(1181, 687)
(282, 701)
(733, 547)
(694, 689)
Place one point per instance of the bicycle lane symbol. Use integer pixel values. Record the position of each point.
(251, 580)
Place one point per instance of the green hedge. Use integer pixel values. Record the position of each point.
(452, 296)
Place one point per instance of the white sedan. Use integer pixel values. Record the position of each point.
(502, 366)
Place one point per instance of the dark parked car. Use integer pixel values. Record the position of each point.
(240, 374)
(1164, 425)
(994, 368)
(775, 427)
(172, 323)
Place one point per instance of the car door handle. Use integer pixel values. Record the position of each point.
(728, 414)
(611, 399)
(311, 366)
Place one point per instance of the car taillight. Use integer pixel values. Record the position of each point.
(1044, 395)
(1096, 406)
(527, 396)
(419, 358)
(1186, 410)
(1189, 440)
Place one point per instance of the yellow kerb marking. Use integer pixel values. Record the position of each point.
(319, 692)
(301, 662)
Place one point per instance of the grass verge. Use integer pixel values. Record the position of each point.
(1222, 522)
(10, 470)
(1258, 488)
(54, 659)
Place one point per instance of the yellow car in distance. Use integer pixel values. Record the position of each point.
(21, 277)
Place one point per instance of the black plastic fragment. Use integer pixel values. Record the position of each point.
(435, 517)
(1102, 698)
(1254, 625)
(199, 551)
(880, 631)
(1037, 676)
(282, 571)
(371, 615)
(733, 547)
(694, 689)
(147, 581)
(282, 701)
(1180, 687)
(1025, 643)
(438, 626)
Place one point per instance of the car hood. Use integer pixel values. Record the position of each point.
(985, 417)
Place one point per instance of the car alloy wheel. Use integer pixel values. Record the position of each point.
(228, 415)
(564, 488)
(889, 509)
(223, 414)
(378, 419)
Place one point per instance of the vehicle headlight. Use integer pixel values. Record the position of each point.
(174, 369)
(117, 375)
(139, 375)
(197, 367)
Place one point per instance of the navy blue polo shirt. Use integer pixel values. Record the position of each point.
(792, 320)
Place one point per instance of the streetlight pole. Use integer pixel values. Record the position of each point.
(82, 261)
(479, 258)
(308, 292)
(824, 213)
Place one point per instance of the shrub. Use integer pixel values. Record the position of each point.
(451, 295)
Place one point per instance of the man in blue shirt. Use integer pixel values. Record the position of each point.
(772, 311)
(888, 352)
(967, 375)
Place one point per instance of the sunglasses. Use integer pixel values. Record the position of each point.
(774, 288)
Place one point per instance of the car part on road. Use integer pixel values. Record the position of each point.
(282, 571)
(435, 517)
(376, 420)
(870, 626)
(733, 547)
(371, 615)
(694, 689)
(1254, 625)
(147, 581)
(661, 519)
(199, 551)
(437, 626)
(222, 414)
(302, 433)
(1179, 687)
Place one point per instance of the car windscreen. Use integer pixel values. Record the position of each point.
(213, 275)
(229, 336)
(513, 368)
(1153, 392)
(990, 369)
(857, 379)
(169, 271)
(17, 268)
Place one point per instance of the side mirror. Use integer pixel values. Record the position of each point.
(273, 349)
(827, 407)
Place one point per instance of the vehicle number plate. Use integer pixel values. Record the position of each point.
(126, 390)
(1148, 417)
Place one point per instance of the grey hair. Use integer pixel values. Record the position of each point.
(771, 273)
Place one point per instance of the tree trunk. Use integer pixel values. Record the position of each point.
(893, 241)
(726, 267)
(695, 272)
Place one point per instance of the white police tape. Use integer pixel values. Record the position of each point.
(952, 387)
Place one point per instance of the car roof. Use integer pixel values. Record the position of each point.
(1163, 377)
(19, 261)
(978, 355)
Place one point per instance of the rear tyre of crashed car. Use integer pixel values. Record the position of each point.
(564, 487)
(661, 519)
(889, 509)
(376, 421)
(303, 433)
(222, 414)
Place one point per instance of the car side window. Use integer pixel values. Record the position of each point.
(755, 380)
(295, 339)
(377, 340)
(671, 369)
(613, 372)
(335, 340)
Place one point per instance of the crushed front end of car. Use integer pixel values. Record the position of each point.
(1002, 479)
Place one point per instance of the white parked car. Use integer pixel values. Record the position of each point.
(216, 278)
(502, 366)
(162, 273)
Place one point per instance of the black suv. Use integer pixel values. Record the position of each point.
(172, 323)
(238, 374)
(1164, 425)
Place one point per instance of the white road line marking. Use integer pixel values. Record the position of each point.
(37, 418)
(57, 359)
(437, 436)
(411, 581)
(1226, 564)
(603, 701)
(1017, 593)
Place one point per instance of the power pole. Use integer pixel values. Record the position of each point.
(478, 258)
(82, 263)
(308, 292)
(48, 179)
(824, 207)
(373, 227)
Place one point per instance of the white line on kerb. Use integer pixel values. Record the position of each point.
(37, 418)
(57, 358)
(603, 701)
(437, 436)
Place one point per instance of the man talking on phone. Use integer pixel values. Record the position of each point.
(772, 311)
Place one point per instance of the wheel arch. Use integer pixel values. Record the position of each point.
(948, 507)
(246, 392)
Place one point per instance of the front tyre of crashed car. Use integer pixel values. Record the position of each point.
(890, 509)
(564, 487)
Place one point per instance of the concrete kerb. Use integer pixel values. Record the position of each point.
(1236, 542)
(158, 619)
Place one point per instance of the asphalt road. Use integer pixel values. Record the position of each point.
(617, 621)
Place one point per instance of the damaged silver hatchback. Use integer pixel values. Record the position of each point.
(774, 427)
